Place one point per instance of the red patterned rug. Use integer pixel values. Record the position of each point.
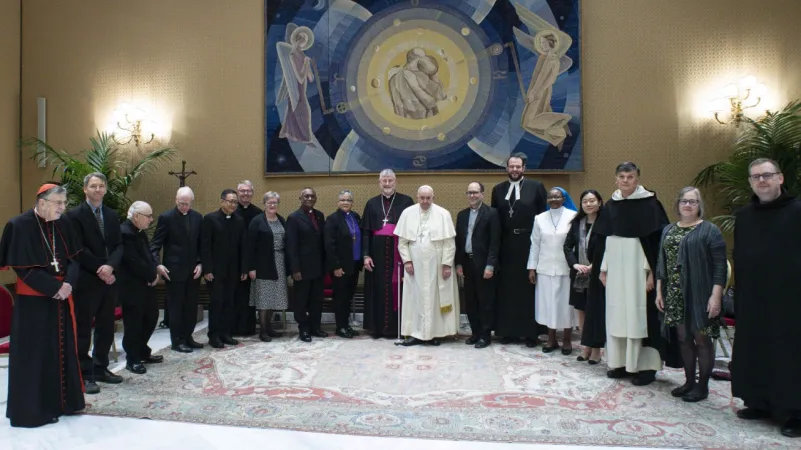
(505, 393)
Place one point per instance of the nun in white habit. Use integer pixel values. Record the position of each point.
(549, 272)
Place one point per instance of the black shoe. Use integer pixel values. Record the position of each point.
(305, 336)
(319, 333)
(471, 340)
(343, 332)
(567, 351)
(265, 337)
(353, 332)
(54, 420)
(696, 395)
(435, 342)
(593, 362)
(531, 343)
(620, 372)
(91, 387)
(274, 334)
(137, 368)
(753, 414)
(644, 378)
(153, 359)
(550, 348)
(106, 376)
(409, 341)
(376, 335)
(792, 428)
(683, 389)
(191, 343)
(228, 340)
(183, 348)
(216, 342)
(483, 343)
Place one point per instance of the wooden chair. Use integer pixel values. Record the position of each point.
(117, 327)
(727, 321)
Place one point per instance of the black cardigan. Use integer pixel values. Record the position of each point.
(261, 249)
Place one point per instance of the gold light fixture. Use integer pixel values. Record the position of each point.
(734, 97)
(129, 126)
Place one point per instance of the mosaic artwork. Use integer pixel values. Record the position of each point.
(421, 85)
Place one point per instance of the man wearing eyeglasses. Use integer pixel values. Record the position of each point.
(96, 292)
(222, 253)
(767, 245)
(478, 238)
(137, 277)
(178, 233)
(306, 251)
(244, 322)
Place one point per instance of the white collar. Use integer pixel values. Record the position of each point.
(514, 186)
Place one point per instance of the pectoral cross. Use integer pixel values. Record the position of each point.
(385, 221)
(55, 264)
(511, 212)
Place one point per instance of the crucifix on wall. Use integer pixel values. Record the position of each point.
(183, 174)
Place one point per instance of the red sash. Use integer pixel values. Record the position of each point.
(388, 230)
(24, 289)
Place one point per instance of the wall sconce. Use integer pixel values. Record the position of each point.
(130, 122)
(733, 98)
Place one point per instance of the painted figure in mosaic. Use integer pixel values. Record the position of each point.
(297, 70)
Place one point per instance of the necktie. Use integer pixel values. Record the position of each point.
(100, 222)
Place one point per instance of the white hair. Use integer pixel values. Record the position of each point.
(425, 187)
(387, 173)
(247, 183)
(185, 190)
(136, 207)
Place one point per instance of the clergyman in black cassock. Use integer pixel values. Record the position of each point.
(137, 277)
(478, 238)
(98, 227)
(223, 256)
(178, 233)
(767, 301)
(244, 322)
(517, 200)
(44, 377)
(306, 252)
(381, 258)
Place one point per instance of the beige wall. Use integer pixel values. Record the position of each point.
(9, 113)
(648, 65)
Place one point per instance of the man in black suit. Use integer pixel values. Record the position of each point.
(478, 238)
(223, 259)
(137, 278)
(304, 232)
(96, 294)
(178, 232)
(517, 200)
(244, 323)
(343, 251)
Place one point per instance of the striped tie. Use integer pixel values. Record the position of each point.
(99, 218)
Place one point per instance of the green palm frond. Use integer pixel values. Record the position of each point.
(102, 156)
(777, 136)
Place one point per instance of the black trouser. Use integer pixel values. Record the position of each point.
(221, 310)
(140, 313)
(479, 295)
(344, 288)
(308, 304)
(182, 299)
(94, 308)
(244, 322)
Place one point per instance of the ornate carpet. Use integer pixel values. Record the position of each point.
(505, 393)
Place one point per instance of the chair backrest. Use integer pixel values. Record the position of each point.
(6, 306)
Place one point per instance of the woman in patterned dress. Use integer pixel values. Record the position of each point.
(691, 275)
(267, 264)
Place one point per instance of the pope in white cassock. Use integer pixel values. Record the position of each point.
(427, 246)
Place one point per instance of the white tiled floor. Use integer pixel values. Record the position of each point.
(95, 432)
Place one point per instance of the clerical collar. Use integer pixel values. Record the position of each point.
(227, 216)
(245, 206)
(477, 206)
(388, 197)
(514, 186)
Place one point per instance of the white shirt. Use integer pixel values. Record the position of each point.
(547, 255)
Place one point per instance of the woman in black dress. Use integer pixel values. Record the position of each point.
(584, 260)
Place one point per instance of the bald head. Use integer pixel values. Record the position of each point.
(425, 196)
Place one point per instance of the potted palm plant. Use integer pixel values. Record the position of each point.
(103, 157)
(777, 136)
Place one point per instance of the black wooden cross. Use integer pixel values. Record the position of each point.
(183, 174)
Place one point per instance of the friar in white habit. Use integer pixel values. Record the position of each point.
(427, 246)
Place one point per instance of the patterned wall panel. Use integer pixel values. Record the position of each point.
(648, 65)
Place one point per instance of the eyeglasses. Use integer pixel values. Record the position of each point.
(57, 202)
(346, 200)
(184, 203)
(231, 202)
(767, 176)
(472, 192)
(149, 216)
(245, 191)
(688, 202)
(271, 203)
